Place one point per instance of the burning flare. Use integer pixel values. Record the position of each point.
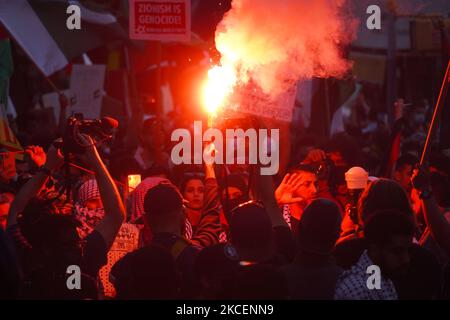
(218, 87)
(275, 44)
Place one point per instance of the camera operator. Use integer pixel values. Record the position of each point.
(51, 241)
(338, 155)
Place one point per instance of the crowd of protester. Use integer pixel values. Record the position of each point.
(225, 231)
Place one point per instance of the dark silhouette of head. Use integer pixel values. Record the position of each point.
(164, 211)
(389, 235)
(383, 194)
(251, 231)
(319, 227)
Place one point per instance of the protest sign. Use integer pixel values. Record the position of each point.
(51, 100)
(86, 85)
(252, 100)
(160, 20)
(126, 241)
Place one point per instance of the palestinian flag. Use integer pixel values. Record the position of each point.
(40, 28)
(7, 137)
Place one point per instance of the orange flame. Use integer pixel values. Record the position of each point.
(218, 87)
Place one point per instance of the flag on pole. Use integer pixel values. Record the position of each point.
(7, 136)
(40, 28)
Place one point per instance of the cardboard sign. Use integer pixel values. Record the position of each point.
(126, 241)
(252, 100)
(86, 85)
(160, 20)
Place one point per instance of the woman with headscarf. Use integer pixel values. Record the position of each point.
(88, 207)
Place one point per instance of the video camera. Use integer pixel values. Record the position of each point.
(98, 129)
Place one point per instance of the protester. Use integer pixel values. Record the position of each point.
(215, 269)
(403, 171)
(259, 282)
(164, 217)
(422, 279)
(437, 223)
(151, 275)
(235, 191)
(389, 236)
(52, 240)
(295, 192)
(151, 150)
(88, 209)
(313, 274)
(219, 231)
(251, 233)
(193, 190)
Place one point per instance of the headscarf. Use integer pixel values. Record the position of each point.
(88, 218)
(137, 201)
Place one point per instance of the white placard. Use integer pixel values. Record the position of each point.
(86, 84)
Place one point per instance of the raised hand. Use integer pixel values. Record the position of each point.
(287, 187)
(54, 158)
(37, 155)
(90, 155)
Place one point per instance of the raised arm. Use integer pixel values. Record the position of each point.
(434, 217)
(53, 160)
(109, 226)
(209, 228)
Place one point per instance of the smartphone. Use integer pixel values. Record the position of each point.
(133, 181)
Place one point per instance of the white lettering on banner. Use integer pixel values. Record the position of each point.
(161, 20)
(160, 9)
